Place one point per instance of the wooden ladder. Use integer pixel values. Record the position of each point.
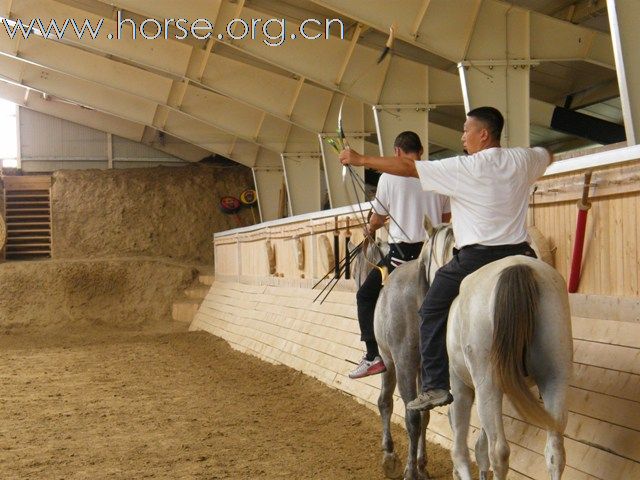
(27, 204)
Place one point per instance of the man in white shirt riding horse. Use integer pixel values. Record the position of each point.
(489, 193)
(404, 200)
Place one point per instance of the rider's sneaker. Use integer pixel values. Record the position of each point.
(368, 367)
(430, 399)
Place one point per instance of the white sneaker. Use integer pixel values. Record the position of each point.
(368, 367)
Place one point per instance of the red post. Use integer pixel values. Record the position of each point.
(578, 244)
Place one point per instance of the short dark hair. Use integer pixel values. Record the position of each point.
(492, 119)
(409, 142)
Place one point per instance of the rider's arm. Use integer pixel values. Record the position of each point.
(375, 222)
(400, 166)
(552, 157)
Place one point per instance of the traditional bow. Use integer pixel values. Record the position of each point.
(341, 144)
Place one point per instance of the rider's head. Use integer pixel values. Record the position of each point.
(408, 144)
(482, 129)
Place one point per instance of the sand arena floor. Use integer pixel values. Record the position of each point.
(97, 382)
(175, 405)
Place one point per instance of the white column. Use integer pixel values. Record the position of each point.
(394, 119)
(302, 177)
(625, 36)
(496, 69)
(268, 181)
(109, 151)
(403, 105)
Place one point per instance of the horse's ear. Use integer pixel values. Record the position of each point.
(428, 226)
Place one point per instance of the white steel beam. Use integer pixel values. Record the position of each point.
(268, 182)
(553, 39)
(583, 10)
(496, 71)
(182, 128)
(302, 176)
(403, 107)
(392, 120)
(240, 82)
(199, 120)
(216, 110)
(443, 28)
(623, 15)
(167, 90)
(99, 121)
(244, 82)
(173, 58)
(363, 78)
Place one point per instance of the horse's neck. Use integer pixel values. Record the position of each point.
(442, 250)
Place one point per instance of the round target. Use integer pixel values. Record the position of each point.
(248, 197)
(230, 204)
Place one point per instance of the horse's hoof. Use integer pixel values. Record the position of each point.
(391, 465)
(416, 475)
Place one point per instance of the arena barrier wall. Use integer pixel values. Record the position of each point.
(273, 315)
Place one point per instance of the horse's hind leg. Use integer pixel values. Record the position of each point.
(422, 443)
(490, 413)
(390, 462)
(412, 418)
(459, 417)
(482, 455)
(554, 395)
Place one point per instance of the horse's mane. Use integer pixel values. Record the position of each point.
(437, 249)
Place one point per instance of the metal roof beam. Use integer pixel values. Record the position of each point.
(99, 121)
(446, 27)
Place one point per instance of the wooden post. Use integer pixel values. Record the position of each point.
(336, 248)
(347, 260)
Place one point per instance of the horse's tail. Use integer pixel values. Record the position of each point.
(516, 304)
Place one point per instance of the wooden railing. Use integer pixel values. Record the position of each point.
(269, 311)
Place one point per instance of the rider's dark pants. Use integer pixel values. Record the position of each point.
(435, 308)
(369, 291)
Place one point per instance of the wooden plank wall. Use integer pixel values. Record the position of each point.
(275, 318)
(284, 325)
(610, 261)
(248, 251)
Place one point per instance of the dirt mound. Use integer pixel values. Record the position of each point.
(169, 212)
(58, 294)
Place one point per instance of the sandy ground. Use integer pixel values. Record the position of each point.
(97, 382)
(101, 403)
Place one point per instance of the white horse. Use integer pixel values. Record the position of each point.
(510, 320)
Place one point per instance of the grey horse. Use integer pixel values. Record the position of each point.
(396, 324)
(396, 328)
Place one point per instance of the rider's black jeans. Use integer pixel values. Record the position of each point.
(435, 308)
(369, 291)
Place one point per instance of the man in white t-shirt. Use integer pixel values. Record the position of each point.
(404, 200)
(489, 192)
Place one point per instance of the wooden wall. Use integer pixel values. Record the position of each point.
(245, 254)
(611, 261)
(275, 318)
(284, 325)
